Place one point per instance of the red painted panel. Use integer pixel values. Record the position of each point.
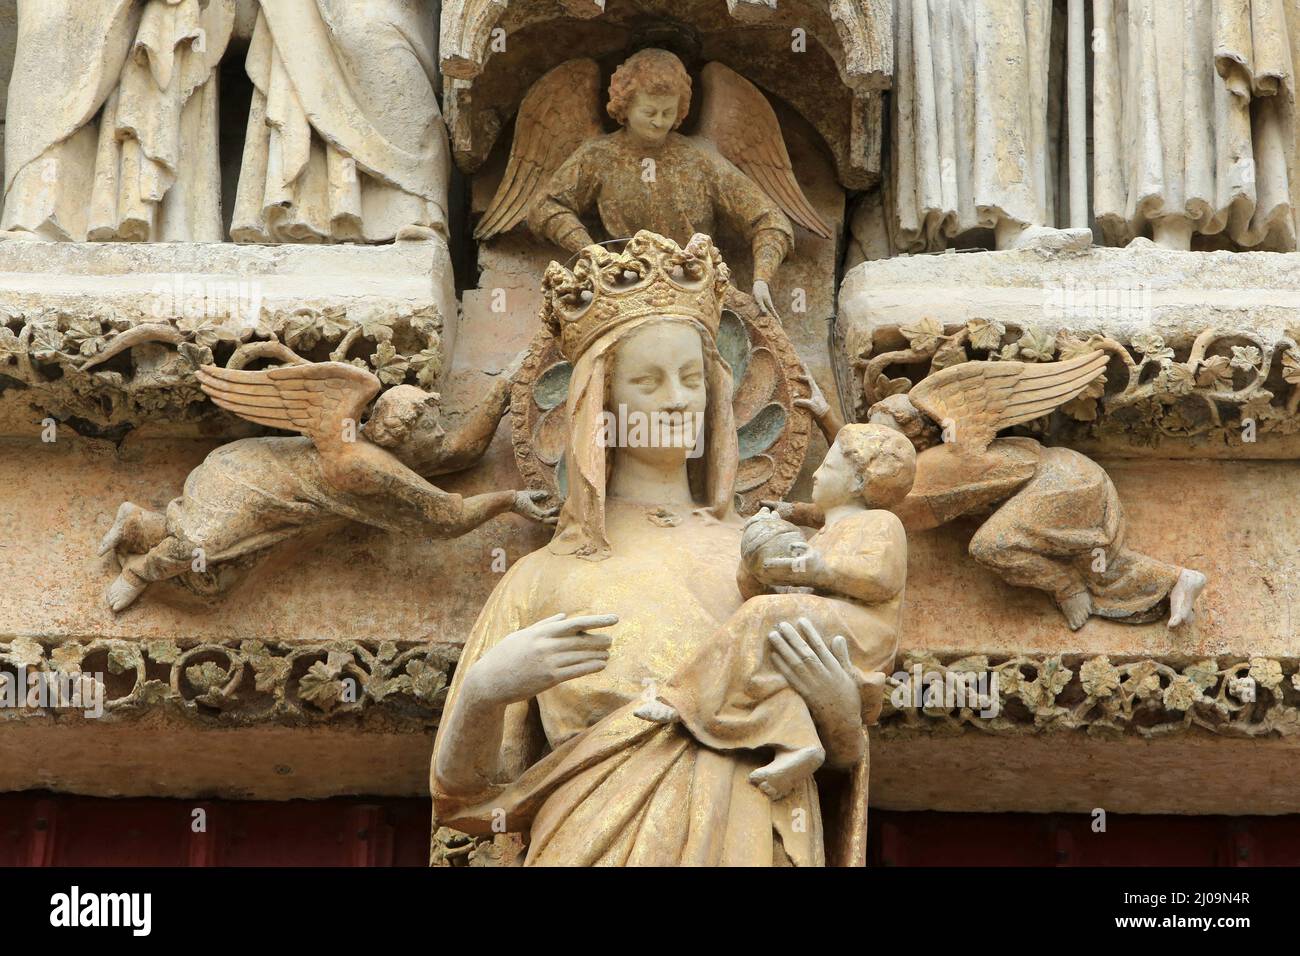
(57, 829)
(1051, 839)
(44, 829)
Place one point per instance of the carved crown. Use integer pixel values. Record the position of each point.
(651, 276)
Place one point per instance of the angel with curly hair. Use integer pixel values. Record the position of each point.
(563, 168)
(1051, 517)
(255, 493)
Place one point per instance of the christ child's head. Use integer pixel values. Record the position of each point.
(871, 463)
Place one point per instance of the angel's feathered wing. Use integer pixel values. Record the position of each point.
(737, 118)
(560, 112)
(973, 401)
(314, 398)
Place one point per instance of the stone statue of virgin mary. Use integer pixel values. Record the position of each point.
(540, 733)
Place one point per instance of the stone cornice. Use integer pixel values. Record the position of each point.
(1204, 355)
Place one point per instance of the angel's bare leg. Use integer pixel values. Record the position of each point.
(1022, 566)
(779, 777)
(1182, 599)
(1077, 608)
(168, 558)
(134, 530)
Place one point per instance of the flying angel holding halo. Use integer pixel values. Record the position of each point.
(255, 493)
(1053, 517)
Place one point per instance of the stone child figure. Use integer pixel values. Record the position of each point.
(1054, 522)
(254, 493)
(647, 176)
(847, 580)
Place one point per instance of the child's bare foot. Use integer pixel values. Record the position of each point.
(1077, 608)
(114, 537)
(124, 590)
(1182, 599)
(779, 777)
(657, 712)
(872, 691)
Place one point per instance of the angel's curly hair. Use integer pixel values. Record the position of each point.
(897, 411)
(395, 414)
(652, 71)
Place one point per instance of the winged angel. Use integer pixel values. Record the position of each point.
(1054, 522)
(257, 492)
(736, 168)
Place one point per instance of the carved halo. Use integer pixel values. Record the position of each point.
(773, 433)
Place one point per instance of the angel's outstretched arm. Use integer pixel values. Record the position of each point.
(410, 502)
(468, 443)
(562, 202)
(749, 211)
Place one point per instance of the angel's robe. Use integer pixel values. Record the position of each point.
(676, 190)
(345, 139)
(256, 492)
(111, 129)
(1056, 523)
(1194, 118)
(732, 697)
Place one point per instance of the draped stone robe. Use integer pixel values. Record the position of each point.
(971, 144)
(345, 140)
(1194, 118)
(112, 120)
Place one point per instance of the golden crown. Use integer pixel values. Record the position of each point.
(651, 276)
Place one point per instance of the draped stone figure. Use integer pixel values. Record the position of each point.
(111, 130)
(540, 731)
(1194, 120)
(971, 143)
(846, 580)
(345, 140)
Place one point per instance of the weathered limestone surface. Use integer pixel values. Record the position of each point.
(1230, 517)
(246, 696)
(1199, 341)
(63, 305)
(1077, 774)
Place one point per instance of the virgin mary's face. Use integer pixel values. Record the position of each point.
(657, 392)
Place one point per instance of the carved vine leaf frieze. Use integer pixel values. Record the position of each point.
(401, 686)
(1223, 386)
(390, 685)
(117, 369)
(1259, 697)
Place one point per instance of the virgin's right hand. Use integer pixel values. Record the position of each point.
(538, 657)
